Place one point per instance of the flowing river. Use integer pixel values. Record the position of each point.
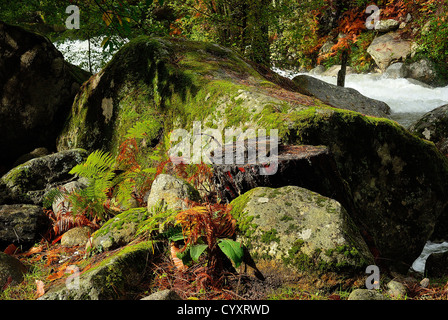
(408, 99)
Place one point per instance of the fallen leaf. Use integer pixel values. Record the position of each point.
(34, 250)
(39, 288)
(56, 275)
(11, 249)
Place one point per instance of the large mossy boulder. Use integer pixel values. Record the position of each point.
(38, 89)
(433, 126)
(300, 228)
(114, 278)
(30, 181)
(119, 230)
(395, 182)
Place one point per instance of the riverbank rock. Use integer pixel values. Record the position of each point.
(11, 270)
(396, 71)
(396, 181)
(118, 231)
(38, 90)
(365, 294)
(341, 97)
(424, 71)
(163, 295)
(387, 25)
(396, 289)
(29, 182)
(77, 236)
(36, 153)
(171, 192)
(389, 48)
(300, 228)
(113, 278)
(22, 225)
(433, 126)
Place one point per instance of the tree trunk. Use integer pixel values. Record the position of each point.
(343, 71)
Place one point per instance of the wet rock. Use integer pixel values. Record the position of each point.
(424, 71)
(333, 71)
(318, 70)
(433, 126)
(396, 71)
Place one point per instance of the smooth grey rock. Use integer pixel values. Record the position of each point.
(341, 97)
(365, 294)
(171, 191)
(163, 295)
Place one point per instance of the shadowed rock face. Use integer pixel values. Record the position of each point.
(37, 88)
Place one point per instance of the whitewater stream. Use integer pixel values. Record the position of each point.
(408, 99)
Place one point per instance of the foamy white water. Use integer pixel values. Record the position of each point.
(77, 53)
(407, 98)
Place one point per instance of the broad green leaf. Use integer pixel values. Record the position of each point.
(196, 251)
(184, 256)
(177, 237)
(233, 250)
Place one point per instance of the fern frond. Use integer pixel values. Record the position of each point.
(147, 128)
(97, 163)
(51, 197)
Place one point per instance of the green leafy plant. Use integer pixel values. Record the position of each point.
(210, 229)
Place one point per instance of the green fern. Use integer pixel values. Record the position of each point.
(97, 164)
(147, 128)
(51, 196)
(98, 169)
